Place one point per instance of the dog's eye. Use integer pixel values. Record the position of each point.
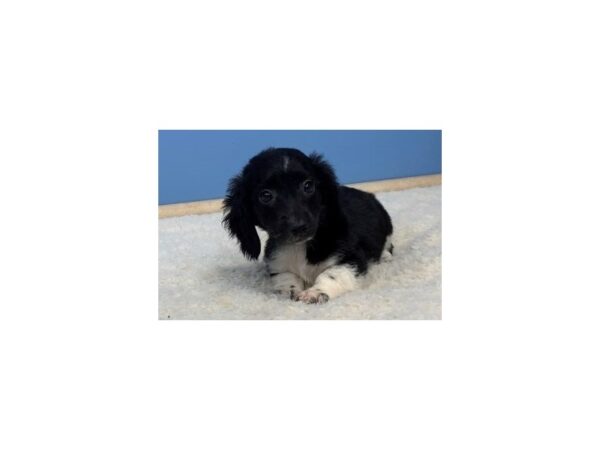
(265, 196)
(309, 187)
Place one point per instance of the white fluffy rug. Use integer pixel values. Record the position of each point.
(203, 275)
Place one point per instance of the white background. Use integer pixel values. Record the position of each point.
(84, 89)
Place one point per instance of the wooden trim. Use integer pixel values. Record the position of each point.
(212, 206)
(185, 209)
(398, 184)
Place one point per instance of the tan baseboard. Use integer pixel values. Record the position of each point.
(212, 206)
(398, 184)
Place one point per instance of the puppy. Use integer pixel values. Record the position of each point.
(322, 236)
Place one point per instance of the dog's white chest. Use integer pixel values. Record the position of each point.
(292, 258)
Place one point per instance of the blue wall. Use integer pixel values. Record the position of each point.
(196, 165)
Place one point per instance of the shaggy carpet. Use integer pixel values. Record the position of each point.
(203, 275)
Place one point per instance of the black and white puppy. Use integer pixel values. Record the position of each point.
(322, 236)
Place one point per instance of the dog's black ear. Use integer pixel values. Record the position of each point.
(326, 176)
(239, 217)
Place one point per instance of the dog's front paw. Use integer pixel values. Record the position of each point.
(291, 292)
(313, 296)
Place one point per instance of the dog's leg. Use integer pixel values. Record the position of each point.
(388, 250)
(287, 283)
(330, 283)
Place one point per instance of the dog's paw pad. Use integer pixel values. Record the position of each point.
(386, 256)
(313, 296)
(291, 293)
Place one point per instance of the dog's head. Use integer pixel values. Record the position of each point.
(282, 191)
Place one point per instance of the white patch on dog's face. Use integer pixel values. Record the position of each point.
(292, 258)
(286, 162)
